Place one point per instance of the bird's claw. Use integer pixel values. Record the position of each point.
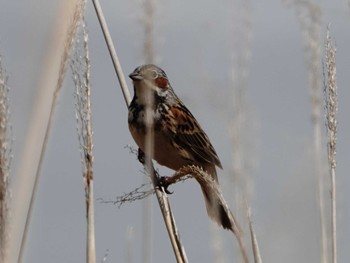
(163, 183)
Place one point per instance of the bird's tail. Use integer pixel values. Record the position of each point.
(217, 208)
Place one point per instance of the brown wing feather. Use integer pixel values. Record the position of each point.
(188, 135)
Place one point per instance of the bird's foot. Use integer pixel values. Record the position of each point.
(164, 183)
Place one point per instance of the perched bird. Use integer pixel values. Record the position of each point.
(178, 138)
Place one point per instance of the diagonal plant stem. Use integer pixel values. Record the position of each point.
(162, 198)
(112, 52)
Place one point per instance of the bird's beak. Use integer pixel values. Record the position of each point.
(135, 76)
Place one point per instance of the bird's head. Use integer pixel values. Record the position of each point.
(149, 77)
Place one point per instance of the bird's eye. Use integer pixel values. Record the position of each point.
(153, 74)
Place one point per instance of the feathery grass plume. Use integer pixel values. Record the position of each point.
(80, 67)
(162, 197)
(50, 82)
(5, 162)
(331, 107)
(310, 18)
(241, 156)
(241, 125)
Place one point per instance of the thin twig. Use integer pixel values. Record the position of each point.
(137, 194)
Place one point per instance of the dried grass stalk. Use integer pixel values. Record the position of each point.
(5, 162)
(255, 245)
(80, 66)
(331, 99)
(149, 8)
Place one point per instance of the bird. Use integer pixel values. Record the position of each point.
(179, 140)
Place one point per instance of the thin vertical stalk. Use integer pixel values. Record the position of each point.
(331, 98)
(5, 163)
(148, 51)
(80, 66)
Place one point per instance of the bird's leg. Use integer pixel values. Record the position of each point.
(165, 181)
(141, 156)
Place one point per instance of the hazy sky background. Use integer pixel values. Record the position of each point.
(196, 43)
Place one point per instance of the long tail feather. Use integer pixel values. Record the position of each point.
(217, 208)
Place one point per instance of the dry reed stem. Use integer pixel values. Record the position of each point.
(49, 83)
(255, 245)
(160, 193)
(331, 99)
(5, 163)
(167, 214)
(80, 66)
(115, 60)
